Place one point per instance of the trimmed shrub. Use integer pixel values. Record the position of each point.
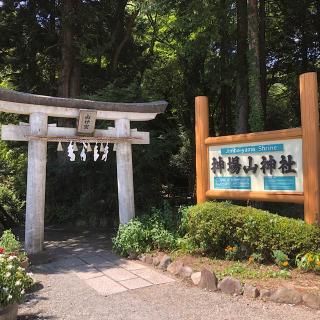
(212, 226)
(131, 238)
(154, 232)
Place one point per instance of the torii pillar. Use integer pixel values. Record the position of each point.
(124, 173)
(36, 184)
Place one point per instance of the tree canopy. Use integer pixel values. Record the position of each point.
(245, 55)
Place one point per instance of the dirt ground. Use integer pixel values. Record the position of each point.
(262, 276)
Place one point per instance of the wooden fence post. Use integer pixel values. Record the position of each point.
(201, 133)
(310, 146)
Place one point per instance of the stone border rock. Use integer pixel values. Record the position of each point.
(207, 280)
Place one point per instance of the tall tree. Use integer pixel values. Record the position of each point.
(69, 80)
(225, 53)
(242, 97)
(262, 55)
(256, 117)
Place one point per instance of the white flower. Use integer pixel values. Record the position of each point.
(5, 289)
(8, 275)
(22, 291)
(29, 274)
(9, 297)
(20, 269)
(18, 283)
(9, 266)
(12, 258)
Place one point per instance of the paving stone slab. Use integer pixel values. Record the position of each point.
(135, 283)
(105, 286)
(97, 261)
(86, 254)
(152, 276)
(85, 272)
(117, 273)
(131, 265)
(69, 262)
(108, 255)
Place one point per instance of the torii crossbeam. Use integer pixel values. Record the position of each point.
(38, 132)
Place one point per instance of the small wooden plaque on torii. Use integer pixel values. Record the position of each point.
(86, 122)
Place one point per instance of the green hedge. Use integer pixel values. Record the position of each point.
(155, 232)
(212, 226)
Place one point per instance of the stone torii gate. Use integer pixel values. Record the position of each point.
(38, 132)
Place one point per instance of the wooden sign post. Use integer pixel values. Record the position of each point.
(310, 145)
(276, 166)
(202, 132)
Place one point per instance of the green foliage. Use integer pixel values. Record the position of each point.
(11, 245)
(214, 225)
(244, 271)
(309, 261)
(184, 220)
(153, 232)
(131, 239)
(9, 242)
(11, 205)
(172, 50)
(255, 258)
(231, 252)
(280, 258)
(12, 178)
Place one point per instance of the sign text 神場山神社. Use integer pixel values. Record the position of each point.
(268, 166)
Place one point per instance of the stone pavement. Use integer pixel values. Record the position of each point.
(95, 264)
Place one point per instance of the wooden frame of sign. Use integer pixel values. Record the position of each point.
(309, 132)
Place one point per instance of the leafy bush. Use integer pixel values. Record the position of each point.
(309, 261)
(13, 164)
(146, 233)
(281, 259)
(131, 238)
(212, 226)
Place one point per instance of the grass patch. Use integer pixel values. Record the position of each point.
(241, 271)
(238, 269)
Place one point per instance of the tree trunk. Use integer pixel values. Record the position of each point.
(256, 121)
(69, 82)
(242, 98)
(262, 44)
(126, 37)
(224, 69)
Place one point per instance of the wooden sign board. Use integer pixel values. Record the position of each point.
(86, 122)
(276, 166)
(268, 166)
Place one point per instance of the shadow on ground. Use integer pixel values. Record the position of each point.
(36, 316)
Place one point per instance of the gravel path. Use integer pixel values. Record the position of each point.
(63, 295)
